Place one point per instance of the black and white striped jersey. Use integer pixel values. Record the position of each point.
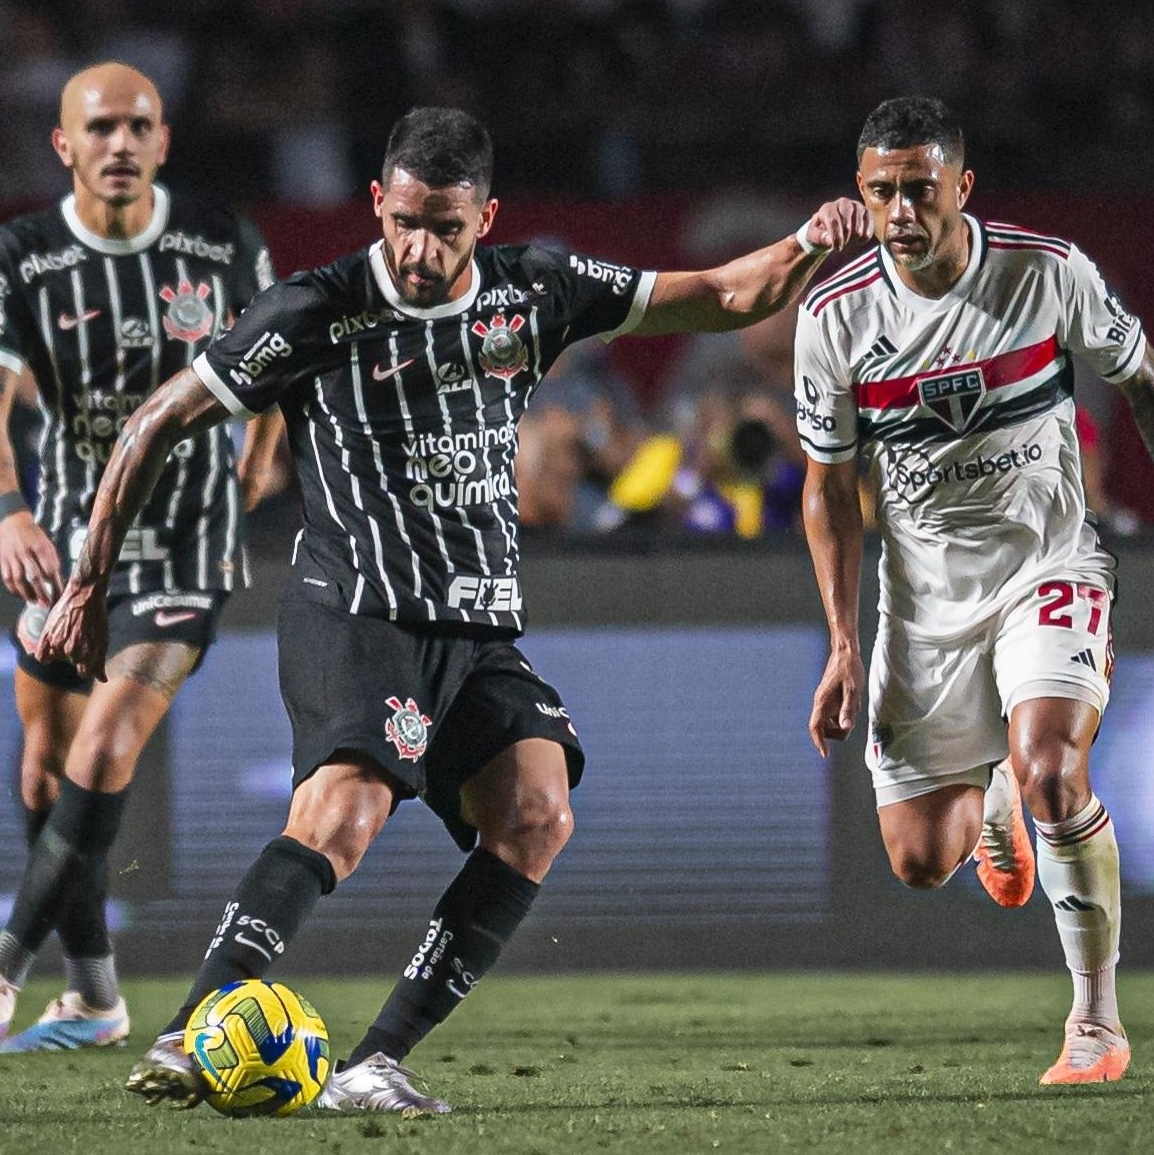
(403, 421)
(100, 323)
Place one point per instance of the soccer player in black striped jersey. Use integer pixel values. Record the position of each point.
(402, 371)
(942, 358)
(102, 298)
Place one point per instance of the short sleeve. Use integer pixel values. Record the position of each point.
(824, 396)
(14, 318)
(1099, 327)
(600, 298)
(271, 349)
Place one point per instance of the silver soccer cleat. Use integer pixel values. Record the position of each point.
(167, 1074)
(378, 1083)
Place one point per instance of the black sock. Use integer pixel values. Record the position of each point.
(80, 923)
(34, 821)
(476, 916)
(269, 906)
(76, 839)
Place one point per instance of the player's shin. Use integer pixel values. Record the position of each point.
(471, 923)
(1078, 869)
(76, 839)
(270, 905)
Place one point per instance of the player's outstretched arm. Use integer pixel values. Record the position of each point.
(1139, 391)
(752, 287)
(831, 511)
(77, 627)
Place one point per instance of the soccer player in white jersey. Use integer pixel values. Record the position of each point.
(941, 361)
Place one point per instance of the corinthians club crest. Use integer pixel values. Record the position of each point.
(408, 728)
(188, 317)
(503, 353)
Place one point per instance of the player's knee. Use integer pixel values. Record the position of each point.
(41, 768)
(919, 871)
(532, 837)
(104, 759)
(546, 826)
(1055, 780)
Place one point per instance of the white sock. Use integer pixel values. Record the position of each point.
(1078, 870)
(999, 799)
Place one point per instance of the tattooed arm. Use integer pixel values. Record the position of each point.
(77, 628)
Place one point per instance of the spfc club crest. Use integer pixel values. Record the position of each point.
(953, 395)
(503, 353)
(407, 729)
(188, 317)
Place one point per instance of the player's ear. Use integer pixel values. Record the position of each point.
(965, 185)
(162, 148)
(60, 144)
(488, 212)
(378, 193)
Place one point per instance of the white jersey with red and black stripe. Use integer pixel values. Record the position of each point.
(962, 408)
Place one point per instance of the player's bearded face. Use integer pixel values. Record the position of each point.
(915, 198)
(429, 236)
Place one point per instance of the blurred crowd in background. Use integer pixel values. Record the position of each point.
(288, 102)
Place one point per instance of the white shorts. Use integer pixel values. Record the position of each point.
(938, 709)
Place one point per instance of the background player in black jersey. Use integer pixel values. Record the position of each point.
(101, 298)
(402, 371)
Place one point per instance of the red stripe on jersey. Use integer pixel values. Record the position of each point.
(1002, 369)
(1003, 236)
(856, 268)
(1028, 246)
(829, 297)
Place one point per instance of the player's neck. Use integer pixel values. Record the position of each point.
(947, 269)
(115, 222)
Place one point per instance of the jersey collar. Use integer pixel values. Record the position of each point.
(448, 309)
(119, 246)
(957, 291)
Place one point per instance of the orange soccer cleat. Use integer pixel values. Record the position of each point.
(1092, 1054)
(1004, 854)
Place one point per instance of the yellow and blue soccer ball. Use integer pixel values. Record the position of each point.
(261, 1048)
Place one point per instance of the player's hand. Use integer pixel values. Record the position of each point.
(839, 222)
(258, 482)
(77, 631)
(29, 563)
(837, 699)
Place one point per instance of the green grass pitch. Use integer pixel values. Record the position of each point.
(740, 1063)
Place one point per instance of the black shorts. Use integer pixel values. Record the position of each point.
(186, 616)
(433, 706)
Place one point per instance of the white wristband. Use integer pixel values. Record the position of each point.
(807, 246)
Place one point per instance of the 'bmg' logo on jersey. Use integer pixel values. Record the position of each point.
(953, 396)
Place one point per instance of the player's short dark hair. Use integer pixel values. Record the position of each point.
(912, 121)
(440, 147)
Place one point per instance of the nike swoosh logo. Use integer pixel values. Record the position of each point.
(67, 322)
(164, 618)
(380, 374)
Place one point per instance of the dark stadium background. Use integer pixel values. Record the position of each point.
(708, 833)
